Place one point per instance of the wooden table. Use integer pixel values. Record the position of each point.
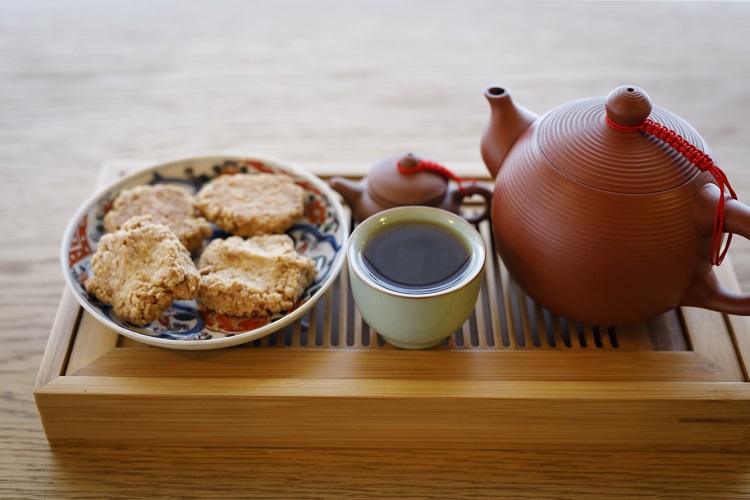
(326, 83)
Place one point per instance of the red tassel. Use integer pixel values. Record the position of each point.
(431, 166)
(704, 164)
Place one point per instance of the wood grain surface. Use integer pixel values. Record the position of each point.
(324, 82)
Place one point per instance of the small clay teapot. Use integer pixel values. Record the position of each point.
(610, 211)
(408, 179)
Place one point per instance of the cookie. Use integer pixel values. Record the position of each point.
(261, 276)
(167, 204)
(249, 205)
(141, 269)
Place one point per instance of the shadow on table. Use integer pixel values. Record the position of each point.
(316, 473)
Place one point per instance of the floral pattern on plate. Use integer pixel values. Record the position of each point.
(319, 234)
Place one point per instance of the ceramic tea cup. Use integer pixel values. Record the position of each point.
(415, 273)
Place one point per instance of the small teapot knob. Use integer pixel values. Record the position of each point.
(628, 106)
(408, 162)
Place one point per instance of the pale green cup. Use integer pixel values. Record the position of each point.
(414, 320)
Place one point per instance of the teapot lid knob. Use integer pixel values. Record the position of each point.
(628, 106)
(408, 162)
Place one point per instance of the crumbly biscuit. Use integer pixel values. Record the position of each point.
(249, 205)
(141, 269)
(167, 204)
(260, 276)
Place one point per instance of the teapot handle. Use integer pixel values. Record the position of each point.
(457, 195)
(708, 293)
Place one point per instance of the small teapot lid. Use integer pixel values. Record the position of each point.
(577, 140)
(390, 186)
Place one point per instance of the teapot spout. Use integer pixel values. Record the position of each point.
(507, 122)
(350, 190)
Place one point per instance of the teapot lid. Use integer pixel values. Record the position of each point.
(388, 185)
(576, 139)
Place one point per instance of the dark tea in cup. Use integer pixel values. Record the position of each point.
(416, 257)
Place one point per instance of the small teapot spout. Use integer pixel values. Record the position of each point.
(507, 122)
(350, 190)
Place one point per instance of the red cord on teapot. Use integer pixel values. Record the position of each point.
(704, 164)
(421, 165)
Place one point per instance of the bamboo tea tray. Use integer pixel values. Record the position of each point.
(514, 376)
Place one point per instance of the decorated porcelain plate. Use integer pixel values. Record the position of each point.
(319, 234)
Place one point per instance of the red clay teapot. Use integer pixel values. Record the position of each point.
(610, 211)
(408, 179)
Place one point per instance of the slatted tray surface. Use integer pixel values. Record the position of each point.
(521, 376)
(504, 318)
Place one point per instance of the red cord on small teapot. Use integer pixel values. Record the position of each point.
(704, 164)
(432, 166)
